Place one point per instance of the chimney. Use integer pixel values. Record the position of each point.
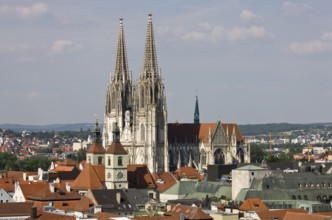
(52, 187)
(33, 212)
(24, 176)
(118, 197)
(68, 186)
(97, 208)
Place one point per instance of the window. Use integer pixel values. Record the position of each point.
(120, 161)
(203, 157)
(100, 160)
(293, 197)
(305, 197)
(299, 197)
(142, 132)
(109, 161)
(252, 173)
(109, 175)
(89, 159)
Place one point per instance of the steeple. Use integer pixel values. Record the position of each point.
(150, 65)
(96, 133)
(121, 71)
(196, 114)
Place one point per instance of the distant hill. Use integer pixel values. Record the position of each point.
(250, 129)
(257, 129)
(52, 127)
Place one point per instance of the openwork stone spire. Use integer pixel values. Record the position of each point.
(121, 71)
(150, 66)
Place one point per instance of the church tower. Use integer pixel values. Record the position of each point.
(96, 152)
(116, 162)
(150, 114)
(196, 114)
(118, 108)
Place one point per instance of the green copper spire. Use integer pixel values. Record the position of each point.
(196, 114)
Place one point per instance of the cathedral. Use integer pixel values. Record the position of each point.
(139, 111)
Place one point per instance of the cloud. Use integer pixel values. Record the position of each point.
(64, 46)
(36, 9)
(248, 15)
(323, 44)
(242, 33)
(209, 33)
(10, 48)
(295, 9)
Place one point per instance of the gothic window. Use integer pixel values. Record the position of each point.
(142, 98)
(109, 161)
(113, 100)
(142, 132)
(203, 155)
(100, 160)
(120, 161)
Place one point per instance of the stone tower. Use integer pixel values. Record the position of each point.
(141, 113)
(150, 113)
(96, 152)
(118, 108)
(116, 162)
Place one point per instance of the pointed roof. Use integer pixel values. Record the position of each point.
(116, 147)
(96, 147)
(121, 70)
(150, 65)
(196, 114)
(254, 204)
(89, 178)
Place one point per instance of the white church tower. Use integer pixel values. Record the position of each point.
(141, 113)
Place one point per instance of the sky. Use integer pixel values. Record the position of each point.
(249, 62)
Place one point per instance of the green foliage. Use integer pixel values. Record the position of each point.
(257, 153)
(35, 162)
(7, 161)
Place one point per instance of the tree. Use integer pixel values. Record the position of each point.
(257, 153)
(7, 161)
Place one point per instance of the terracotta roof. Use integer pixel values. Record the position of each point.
(7, 184)
(15, 209)
(59, 194)
(189, 212)
(193, 133)
(277, 214)
(52, 216)
(253, 204)
(139, 177)
(63, 168)
(30, 189)
(176, 217)
(66, 163)
(91, 177)
(60, 205)
(305, 216)
(187, 172)
(84, 204)
(96, 148)
(164, 180)
(116, 148)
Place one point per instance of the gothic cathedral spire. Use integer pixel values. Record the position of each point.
(196, 114)
(119, 91)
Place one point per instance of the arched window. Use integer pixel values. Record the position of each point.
(142, 132)
(120, 161)
(203, 157)
(100, 160)
(142, 98)
(113, 100)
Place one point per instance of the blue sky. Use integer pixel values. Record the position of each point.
(250, 61)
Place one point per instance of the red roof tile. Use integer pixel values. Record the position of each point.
(187, 172)
(164, 180)
(116, 148)
(96, 148)
(189, 212)
(140, 177)
(253, 204)
(91, 177)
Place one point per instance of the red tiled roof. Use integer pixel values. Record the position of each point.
(91, 177)
(7, 184)
(96, 148)
(15, 209)
(59, 194)
(253, 204)
(164, 180)
(140, 177)
(116, 148)
(277, 214)
(176, 217)
(187, 172)
(52, 216)
(305, 216)
(189, 212)
(193, 133)
(30, 189)
(63, 168)
(84, 204)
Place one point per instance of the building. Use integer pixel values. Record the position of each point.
(140, 111)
